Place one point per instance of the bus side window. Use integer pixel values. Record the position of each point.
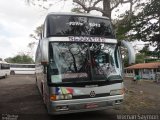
(106, 58)
(44, 30)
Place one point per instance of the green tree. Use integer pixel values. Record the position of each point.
(146, 55)
(145, 50)
(140, 58)
(21, 58)
(144, 26)
(37, 33)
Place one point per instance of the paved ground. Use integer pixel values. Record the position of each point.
(19, 96)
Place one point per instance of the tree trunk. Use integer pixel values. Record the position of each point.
(158, 42)
(159, 23)
(107, 8)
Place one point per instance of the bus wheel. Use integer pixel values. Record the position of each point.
(36, 80)
(43, 94)
(5, 76)
(12, 73)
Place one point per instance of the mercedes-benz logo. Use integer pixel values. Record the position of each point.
(92, 94)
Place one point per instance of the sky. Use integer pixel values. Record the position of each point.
(18, 20)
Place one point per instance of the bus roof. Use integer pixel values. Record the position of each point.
(20, 64)
(77, 14)
(4, 62)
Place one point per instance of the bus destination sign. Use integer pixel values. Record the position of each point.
(86, 39)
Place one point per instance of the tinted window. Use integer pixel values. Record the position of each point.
(5, 66)
(23, 66)
(58, 25)
(81, 61)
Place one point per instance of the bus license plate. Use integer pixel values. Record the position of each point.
(91, 105)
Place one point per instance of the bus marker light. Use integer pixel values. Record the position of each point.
(53, 97)
(62, 108)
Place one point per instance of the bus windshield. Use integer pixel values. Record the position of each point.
(80, 61)
(65, 25)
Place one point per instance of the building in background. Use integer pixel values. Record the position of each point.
(144, 70)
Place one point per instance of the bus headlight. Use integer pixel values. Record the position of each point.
(68, 96)
(117, 92)
(61, 97)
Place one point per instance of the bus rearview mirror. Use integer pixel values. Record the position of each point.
(131, 51)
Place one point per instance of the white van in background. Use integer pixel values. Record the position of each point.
(16, 68)
(4, 69)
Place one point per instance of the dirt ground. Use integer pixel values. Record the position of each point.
(142, 97)
(20, 96)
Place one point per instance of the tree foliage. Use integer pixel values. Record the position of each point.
(21, 58)
(144, 26)
(37, 33)
(140, 57)
(147, 24)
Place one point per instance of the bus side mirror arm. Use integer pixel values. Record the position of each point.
(41, 35)
(131, 51)
(44, 69)
(44, 51)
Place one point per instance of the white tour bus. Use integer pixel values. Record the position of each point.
(16, 68)
(4, 69)
(78, 64)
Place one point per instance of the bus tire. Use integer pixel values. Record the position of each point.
(43, 94)
(12, 73)
(5, 76)
(42, 89)
(36, 80)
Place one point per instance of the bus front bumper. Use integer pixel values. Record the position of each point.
(84, 105)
